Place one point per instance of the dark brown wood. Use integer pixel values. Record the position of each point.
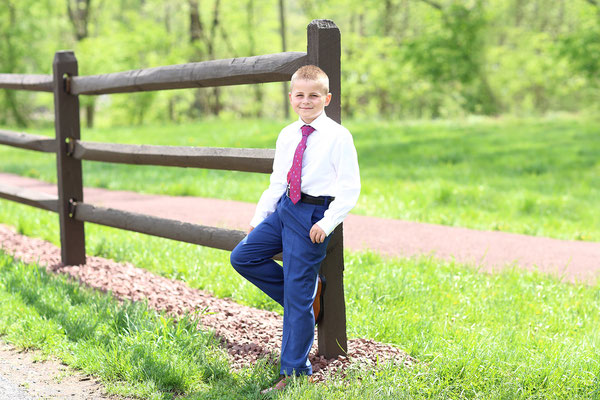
(66, 122)
(37, 83)
(225, 239)
(28, 141)
(234, 71)
(324, 51)
(332, 340)
(233, 159)
(30, 197)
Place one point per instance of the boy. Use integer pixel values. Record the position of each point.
(314, 184)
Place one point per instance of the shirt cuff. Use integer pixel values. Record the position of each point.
(327, 225)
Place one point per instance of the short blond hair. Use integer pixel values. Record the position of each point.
(311, 73)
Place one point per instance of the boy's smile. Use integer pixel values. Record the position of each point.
(309, 99)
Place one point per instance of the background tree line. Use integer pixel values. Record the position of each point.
(400, 58)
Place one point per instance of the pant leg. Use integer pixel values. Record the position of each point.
(301, 263)
(252, 257)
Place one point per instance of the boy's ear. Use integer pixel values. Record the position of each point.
(327, 99)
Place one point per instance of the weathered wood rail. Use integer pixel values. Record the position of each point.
(323, 49)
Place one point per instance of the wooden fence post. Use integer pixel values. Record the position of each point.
(70, 186)
(324, 51)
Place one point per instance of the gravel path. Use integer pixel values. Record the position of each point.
(247, 333)
(9, 390)
(489, 250)
(27, 375)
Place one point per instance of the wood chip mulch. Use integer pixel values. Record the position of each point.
(247, 333)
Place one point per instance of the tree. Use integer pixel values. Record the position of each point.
(20, 49)
(455, 54)
(203, 42)
(79, 14)
(582, 47)
(286, 108)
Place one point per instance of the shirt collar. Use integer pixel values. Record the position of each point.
(318, 123)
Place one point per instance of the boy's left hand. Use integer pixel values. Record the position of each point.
(317, 235)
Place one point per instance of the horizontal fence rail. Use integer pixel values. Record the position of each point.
(233, 159)
(276, 67)
(323, 50)
(37, 83)
(30, 197)
(218, 238)
(28, 141)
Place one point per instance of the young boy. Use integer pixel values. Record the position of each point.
(314, 184)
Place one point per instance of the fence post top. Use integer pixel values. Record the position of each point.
(64, 56)
(323, 24)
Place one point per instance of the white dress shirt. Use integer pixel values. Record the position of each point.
(329, 168)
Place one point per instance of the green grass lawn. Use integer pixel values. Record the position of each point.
(533, 176)
(510, 335)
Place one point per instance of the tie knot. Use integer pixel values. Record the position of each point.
(307, 130)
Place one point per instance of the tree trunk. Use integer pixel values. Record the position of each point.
(258, 89)
(216, 106)
(197, 38)
(284, 85)
(79, 15)
(10, 95)
(171, 103)
(90, 111)
(389, 10)
(405, 19)
(518, 10)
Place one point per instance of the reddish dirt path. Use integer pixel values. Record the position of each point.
(575, 261)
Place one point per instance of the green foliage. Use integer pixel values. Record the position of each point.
(400, 59)
(134, 350)
(582, 49)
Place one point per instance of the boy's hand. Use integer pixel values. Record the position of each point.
(250, 229)
(317, 235)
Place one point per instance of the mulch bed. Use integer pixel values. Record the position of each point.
(247, 333)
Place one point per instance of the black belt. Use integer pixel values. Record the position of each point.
(305, 198)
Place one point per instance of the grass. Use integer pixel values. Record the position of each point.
(510, 335)
(134, 350)
(532, 176)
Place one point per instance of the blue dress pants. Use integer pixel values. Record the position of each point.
(295, 285)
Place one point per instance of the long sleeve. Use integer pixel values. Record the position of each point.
(277, 186)
(329, 168)
(347, 184)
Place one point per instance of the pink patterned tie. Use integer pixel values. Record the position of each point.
(295, 173)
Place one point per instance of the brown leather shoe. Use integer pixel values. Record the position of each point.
(318, 303)
(280, 385)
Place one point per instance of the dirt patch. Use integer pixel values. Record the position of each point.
(46, 378)
(247, 333)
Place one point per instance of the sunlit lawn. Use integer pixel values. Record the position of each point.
(514, 334)
(532, 176)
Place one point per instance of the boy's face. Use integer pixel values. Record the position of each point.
(309, 99)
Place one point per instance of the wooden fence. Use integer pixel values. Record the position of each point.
(323, 49)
